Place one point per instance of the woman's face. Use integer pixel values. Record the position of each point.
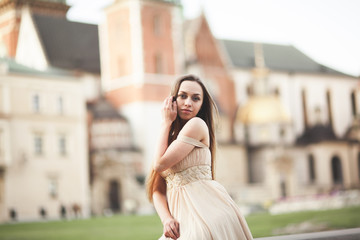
(189, 99)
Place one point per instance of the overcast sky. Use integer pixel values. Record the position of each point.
(326, 30)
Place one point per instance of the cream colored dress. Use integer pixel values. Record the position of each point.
(201, 205)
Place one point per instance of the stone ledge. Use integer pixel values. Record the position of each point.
(346, 234)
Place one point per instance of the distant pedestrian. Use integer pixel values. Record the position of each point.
(13, 214)
(77, 210)
(42, 212)
(63, 212)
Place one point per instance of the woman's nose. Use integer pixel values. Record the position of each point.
(188, 102)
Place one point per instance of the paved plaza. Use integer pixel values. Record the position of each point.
(347, 234)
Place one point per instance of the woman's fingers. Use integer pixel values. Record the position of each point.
(174, 106)
(171, 229)
(173, 109)
(176, 229)
(170, 233)
(169, 109)
(168, 103)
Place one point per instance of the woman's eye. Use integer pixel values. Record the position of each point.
(196, 99)
(183, 96)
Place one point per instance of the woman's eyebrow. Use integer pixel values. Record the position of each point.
(195, 94)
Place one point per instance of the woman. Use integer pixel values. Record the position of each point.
(190, 204)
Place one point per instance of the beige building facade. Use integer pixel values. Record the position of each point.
(43, 144)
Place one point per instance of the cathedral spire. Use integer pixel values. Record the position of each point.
(260, 71)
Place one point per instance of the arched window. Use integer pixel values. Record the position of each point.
(60, 105)
(62, 145)
(329, 107)
(157, 25)
(336, 170)
(159, 63)
(36, 103)
(114, 196)
(255, 168)
(353, 104)
(283, 191)
(38, 144)
(304, 108)
(311, 167)
(53, 188)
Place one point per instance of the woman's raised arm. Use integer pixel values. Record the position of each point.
(195, 128)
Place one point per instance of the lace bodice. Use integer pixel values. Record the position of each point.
(191, 174)
(195, 166)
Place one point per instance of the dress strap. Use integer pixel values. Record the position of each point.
(191, 141)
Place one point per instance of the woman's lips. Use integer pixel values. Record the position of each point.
(185, 110)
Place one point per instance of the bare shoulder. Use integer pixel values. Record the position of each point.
(195, 128)
(198, 122)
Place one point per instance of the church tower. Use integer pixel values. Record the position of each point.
(141, 47)
(10, 18)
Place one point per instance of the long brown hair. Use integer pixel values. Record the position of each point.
(207, 112)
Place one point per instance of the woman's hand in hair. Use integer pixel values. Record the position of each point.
(171, 228)
(169, 111)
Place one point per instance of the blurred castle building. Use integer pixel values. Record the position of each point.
(294, 119)
(45, 82)
(288, 126)
(290, 134)
(43, 147)
(141, 46)
(116, 171)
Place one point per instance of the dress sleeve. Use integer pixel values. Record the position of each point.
(191, 141)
